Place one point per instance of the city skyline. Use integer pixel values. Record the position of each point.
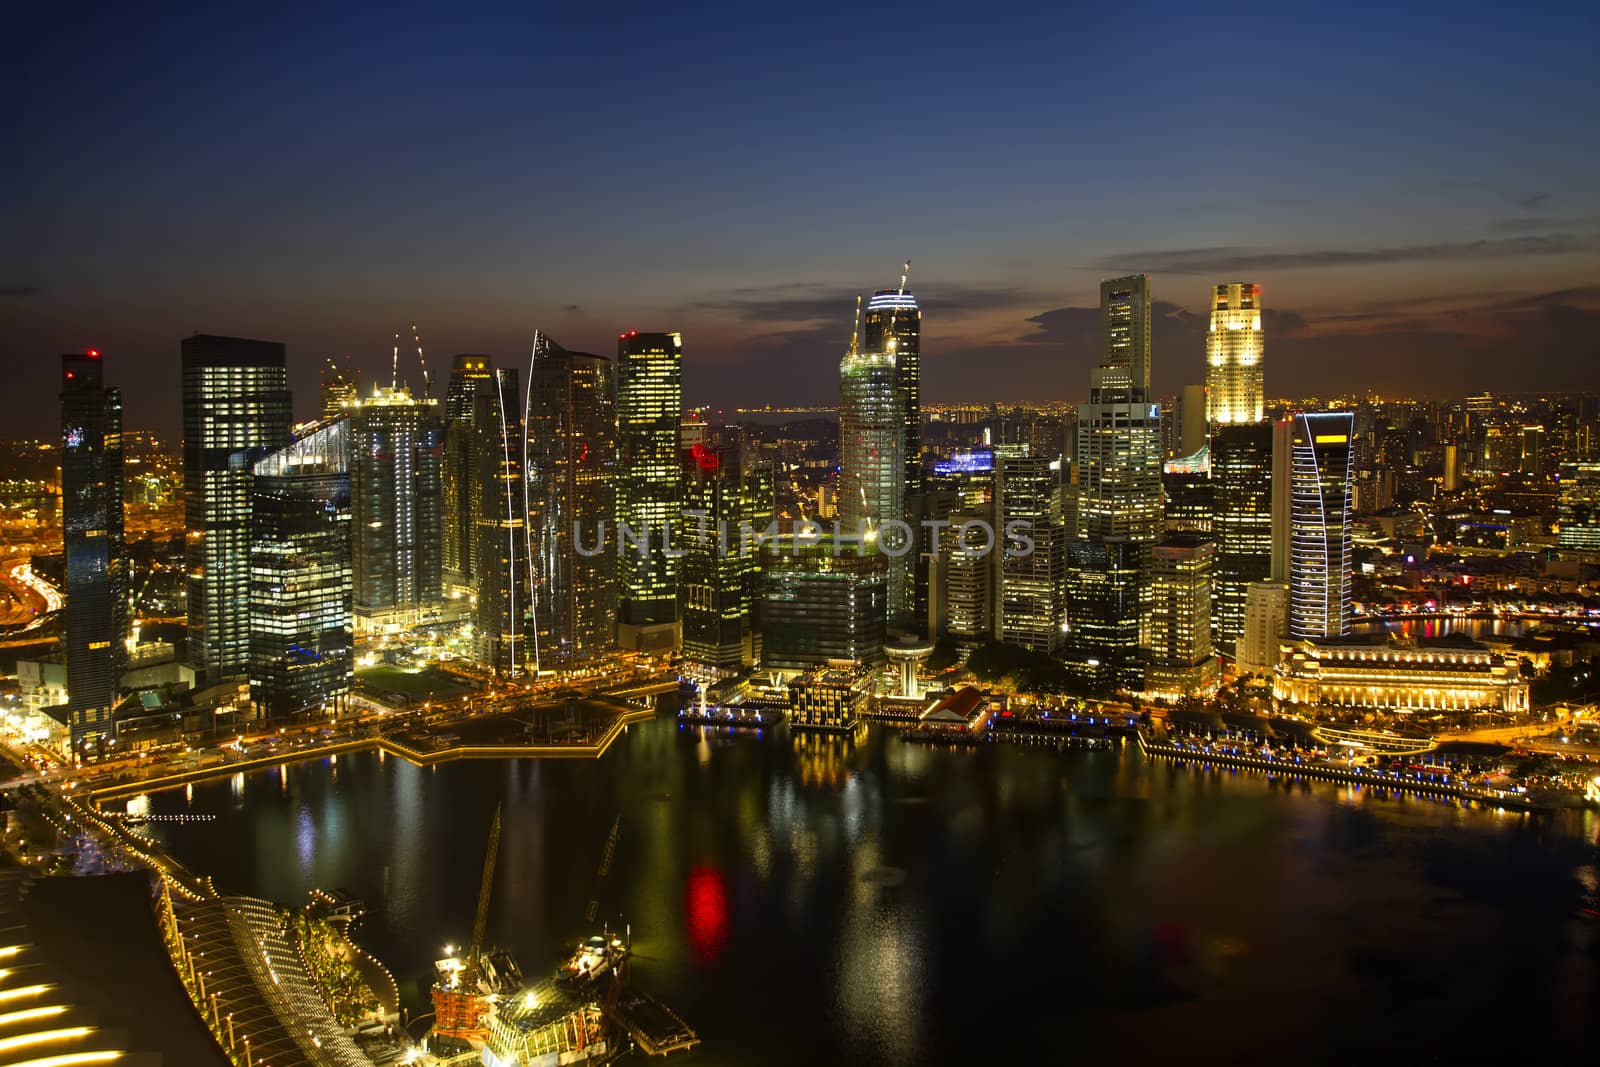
(1452, 221)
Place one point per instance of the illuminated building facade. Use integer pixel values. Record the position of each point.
(502, 556)
(832, 697)
(649, 477)
(817, 606)
(1266, 623)
(1241, 524)
(892, 323)
(1031, 581)
(1580, 506)
(872, 469)
(1119, 467)
(301, 576)
(236, 411)
(964, 580)
(1125, 332)
(719, 635)
(1321, 472)
(1178, 635)
(469, 375)
(1234, 379)
(1447, 675)
(396, 463)
(93, 557)
(571, 456)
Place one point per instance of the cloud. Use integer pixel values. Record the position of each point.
(1546, 223)
(19, 291)
(818, 301)
(1237, 259)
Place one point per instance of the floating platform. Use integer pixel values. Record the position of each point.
(655, 1028)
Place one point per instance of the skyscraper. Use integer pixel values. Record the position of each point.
(396, 457)
(502, 559)
(649, 480)
(1119, 466)
(872, 470)
(1266, 621)
(572, 502)
(1031, 613)
(235, 412)
(1104, 610)
(1241, 490)
(819, 606)
(1234, 379)
(1580, 506)
(92, 549)
(718, 612)
(1178, 641)
(1125, 332)
(301, 626)
(469, 375)
(1319, 534)
(893, 323)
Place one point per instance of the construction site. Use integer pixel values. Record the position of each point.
(586, 1012)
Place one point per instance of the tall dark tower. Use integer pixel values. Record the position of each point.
(92, 544)
(235, 412)
(469, 375)
(572, 458)
(502, 558)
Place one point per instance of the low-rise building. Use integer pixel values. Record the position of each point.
(830, 698)
(964, 710)
(1451, 674)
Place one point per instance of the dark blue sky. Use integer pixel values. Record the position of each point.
(1415, 189)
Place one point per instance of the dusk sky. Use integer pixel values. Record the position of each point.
(1418, 192)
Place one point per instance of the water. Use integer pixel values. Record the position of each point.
(820, 902)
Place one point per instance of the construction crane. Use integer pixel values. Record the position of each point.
(427, 385)
(894, 312)
(487, 887)
(394, 363)
(855, 328)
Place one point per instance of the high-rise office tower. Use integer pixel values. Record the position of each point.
(469, 375)
(1178, 640)
(893, 323)
(1319, 533)
(872, 470)
(1234, 357)
(340, 387)
(573, 502)
(649, 483)
(502, 559)
(1580, 506)
(1104, 593)
(718, 614)
(1187, 505)
(396, 460)
(1119, 466)
(1241, 525)
(818, 606)
(302, 652)
(1031, 571)
(1125, 332)
(236, 411)
(964, 580)
(1266, 622)
(92, 549)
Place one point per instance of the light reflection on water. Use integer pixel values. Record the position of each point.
(811, 900)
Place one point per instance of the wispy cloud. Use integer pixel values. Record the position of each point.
(1539, 223)
(1236, 258)
(816, 301)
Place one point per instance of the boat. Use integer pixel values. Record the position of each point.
(592, 960)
